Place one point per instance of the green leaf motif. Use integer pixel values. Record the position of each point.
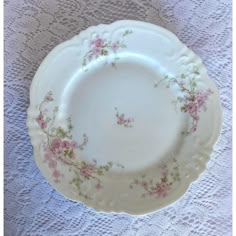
(59, 141)
(158, 188)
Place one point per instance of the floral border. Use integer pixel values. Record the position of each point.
(59, 147)
(192, 99)
(100, 46)
(160, 188)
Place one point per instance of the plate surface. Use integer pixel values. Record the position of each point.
(123, 117)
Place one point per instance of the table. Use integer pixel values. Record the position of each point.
(32, 29)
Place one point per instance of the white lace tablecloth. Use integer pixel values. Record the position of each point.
(32, 29)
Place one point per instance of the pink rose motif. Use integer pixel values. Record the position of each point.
(87, 170)
(43, 125)
(65, 144)
(195, 117)
(40, 121)
(39, 118)
(192, 107)
(74, 144)
(56, 174)
(162, 189)
(115, 46)
(56, 143)
(121, 119)
(83, 172)
(194, 128)
(200, 101)
(96, 51)
(48, 98)
(48, 155)
(90, 169)
(98, 42)
(52, 164)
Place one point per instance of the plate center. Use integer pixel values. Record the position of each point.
(127, 120)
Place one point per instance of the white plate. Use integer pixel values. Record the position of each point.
(123, 117)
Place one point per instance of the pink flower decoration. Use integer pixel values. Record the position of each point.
(194, 128)
(96, 51)
(121, 119)
(74, 144)
(39, 118)
(90, 168)
(52, 164)
(48, 98)
(48, 155)
(195, 117)
(162, 189)
(43, 125)
(56, 174)
(115, 46)
(98, 186)
(83, 172)
(56, 143)
(65, 144)
(200, 101)
(192, 107)
(87, 170)
(98, 42)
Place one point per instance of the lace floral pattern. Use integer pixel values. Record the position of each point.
(32, 29)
